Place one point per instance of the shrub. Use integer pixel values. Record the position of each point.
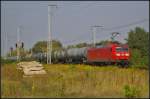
(131, 92)
(138, 60)
(6, 61)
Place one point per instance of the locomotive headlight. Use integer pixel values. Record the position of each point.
(127, 54)
(117, 54)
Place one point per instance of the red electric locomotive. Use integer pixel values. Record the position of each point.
(109, 54)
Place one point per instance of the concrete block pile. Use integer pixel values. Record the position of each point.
(31, 68)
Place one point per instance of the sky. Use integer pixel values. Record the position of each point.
(71, 21)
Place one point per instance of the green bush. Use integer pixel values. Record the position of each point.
(6, 61)
(131, 92)
(138, 41)
(138, 60)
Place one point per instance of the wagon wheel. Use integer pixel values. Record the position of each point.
(84, 60)
(69, 60)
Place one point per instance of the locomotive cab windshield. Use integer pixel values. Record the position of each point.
(121, 49)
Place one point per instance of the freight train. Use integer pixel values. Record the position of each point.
(109, 54)
(112, 53)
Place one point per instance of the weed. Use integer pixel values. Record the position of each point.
(62, 91)
(72, 67)
(131, 92)
(75, 81)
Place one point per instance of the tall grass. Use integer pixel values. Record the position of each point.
(74, 81)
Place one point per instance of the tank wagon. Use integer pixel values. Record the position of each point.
(59, 56)
(76, 55)
(40, 57)
(13, 58)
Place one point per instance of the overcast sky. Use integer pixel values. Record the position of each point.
(71, 21)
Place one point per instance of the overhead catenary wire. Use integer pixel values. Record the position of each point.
(126, 25)
(110, 29)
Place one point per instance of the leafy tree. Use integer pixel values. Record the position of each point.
(71, 46)
(78, 45)
(41, 46)
(81, 45)
(138, 39)
(137, 60)
(104, 42)
(138, 42)
(56, 45)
